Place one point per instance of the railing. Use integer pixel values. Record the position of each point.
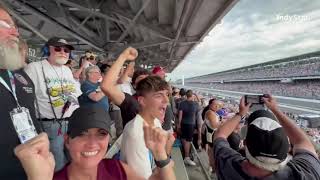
(297, 104)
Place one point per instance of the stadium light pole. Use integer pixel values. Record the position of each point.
(182, 80)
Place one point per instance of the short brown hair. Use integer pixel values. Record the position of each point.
(189, 93)
(151, 84)
(138, 73)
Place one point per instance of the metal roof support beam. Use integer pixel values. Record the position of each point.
(73, 22)
(133, 21)
(149, 44)
(84, 29)
(106, 30)
(186, 8)
(163, 60)
(64, 14)
(94, 19)
(219, 15)
(153, 30)
(142, 25)
(49, 19)
(39, 27)
(24, 22)
(156, 54)
(82, 8)
(90, 15)
(194, 12)
(160, 42)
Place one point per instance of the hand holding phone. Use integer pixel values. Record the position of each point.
(254, 99)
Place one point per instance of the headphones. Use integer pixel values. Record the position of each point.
(45, 51)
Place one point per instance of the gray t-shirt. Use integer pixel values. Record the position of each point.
(303, 166)
(168, 118)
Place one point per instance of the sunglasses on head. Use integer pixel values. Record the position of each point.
(58, 49)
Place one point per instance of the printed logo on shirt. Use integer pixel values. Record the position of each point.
(20, 78)
(28, 90)
(61, 91)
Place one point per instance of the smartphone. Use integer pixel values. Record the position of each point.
(254, 99)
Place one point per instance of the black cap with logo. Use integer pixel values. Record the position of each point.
(57, 41)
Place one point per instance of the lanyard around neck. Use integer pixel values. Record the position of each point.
(13, 85)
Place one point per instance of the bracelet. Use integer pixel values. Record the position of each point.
(162, 163)
(242, 117)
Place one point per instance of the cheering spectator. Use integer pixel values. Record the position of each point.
(266, 147)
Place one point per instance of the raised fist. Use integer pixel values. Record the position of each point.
(36, 159)
(130, 53)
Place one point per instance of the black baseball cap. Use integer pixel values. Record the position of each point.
(57, 41)
(85, 118)
(266, 141)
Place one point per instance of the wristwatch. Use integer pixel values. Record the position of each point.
(162, 163)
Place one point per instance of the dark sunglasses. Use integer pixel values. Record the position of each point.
(90, 58)
(58, 49)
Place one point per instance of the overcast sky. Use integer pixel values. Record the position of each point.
(255, 31)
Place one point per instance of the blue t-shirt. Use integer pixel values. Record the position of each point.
(88, 87)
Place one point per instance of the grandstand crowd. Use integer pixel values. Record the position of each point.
(298, 77)
(309, 89)
(299, 68)
(56, 121)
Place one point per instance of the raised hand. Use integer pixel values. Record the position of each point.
(270, 102)
(36, 159)
(85, 63)
(243, 108)
(130, 53)
(156, 140)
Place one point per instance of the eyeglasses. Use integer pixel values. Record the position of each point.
(6, 25)
(58, 49)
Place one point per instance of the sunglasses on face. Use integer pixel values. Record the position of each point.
(58, 49)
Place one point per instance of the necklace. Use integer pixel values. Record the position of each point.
(58, 77)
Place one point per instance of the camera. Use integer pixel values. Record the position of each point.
(254, 99)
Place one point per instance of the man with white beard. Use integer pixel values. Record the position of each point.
(16, 94)
(56, 92)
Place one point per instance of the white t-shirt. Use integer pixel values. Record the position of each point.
(133, 149)
(62, 87)
(126, 87)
